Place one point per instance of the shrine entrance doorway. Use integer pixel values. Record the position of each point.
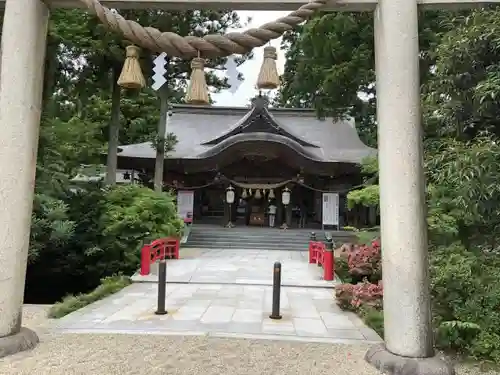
(259, 184)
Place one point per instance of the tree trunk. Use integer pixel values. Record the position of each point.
(114, 130)
(160, 149)
(49, 81)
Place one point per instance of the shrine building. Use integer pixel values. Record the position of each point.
(266, 155)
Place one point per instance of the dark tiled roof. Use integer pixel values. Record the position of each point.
(203, 131)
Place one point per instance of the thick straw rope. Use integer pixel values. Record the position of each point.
(208, 46)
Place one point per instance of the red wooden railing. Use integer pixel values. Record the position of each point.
(322, 257)
(164, 248)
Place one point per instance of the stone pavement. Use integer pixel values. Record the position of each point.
(309, 314)
(227, 293)
(241, 267)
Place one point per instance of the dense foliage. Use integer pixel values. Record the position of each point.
(89, 234)
(331, 67)
(464, 290)
(81, 236)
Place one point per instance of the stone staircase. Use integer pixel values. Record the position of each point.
(217, 237)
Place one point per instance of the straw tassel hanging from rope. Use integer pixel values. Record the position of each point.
(197, 90)
(131, 76)
(268, 77)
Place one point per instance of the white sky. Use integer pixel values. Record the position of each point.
(250, 69)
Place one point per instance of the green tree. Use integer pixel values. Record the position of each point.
(85, 60)
(462, 98)
(332, 73)
(330, 65)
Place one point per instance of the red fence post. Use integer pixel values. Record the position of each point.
(177, 247)
(328, 261)
(145, 260)
(312, 240)
(328, 265)
(162, 254)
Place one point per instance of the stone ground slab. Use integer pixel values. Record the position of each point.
(309, 314)
(241, 267)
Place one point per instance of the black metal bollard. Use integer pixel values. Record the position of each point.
(313, 236)
(275, 314)
(162, 287)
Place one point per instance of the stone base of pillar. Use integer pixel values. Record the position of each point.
(25, 339)
(391, 364)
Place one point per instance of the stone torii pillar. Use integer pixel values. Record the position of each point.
(21, 81)
(408, 333)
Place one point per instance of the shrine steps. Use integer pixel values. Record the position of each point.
(217, 237)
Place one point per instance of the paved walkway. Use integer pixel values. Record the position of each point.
(309, 314)
(241, 267)
(228, 294)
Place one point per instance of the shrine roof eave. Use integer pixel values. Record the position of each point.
(202, 132)
(264, 5)
(194, 166)
(140, 153)
(342, 156)
(273, 146)
(266, 139)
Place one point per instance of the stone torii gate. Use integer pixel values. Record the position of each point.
(408, 345)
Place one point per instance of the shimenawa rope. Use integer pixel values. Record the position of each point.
(213, 45)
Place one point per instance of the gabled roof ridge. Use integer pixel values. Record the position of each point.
(252, 115)
(237, 125)
(287, 129)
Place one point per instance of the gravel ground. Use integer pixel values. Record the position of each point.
(70, 354)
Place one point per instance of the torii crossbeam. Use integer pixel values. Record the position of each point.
(285, 5)
(408, 336)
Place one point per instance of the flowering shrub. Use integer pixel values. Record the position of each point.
(363, 294)
(360, 268)
(364, 261)
(342, 269)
